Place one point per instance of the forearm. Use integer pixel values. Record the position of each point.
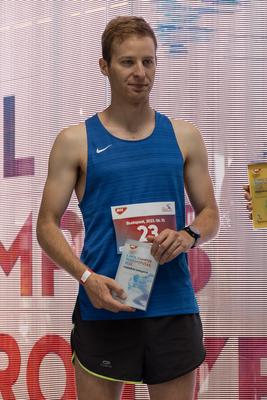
(207, 222)
(53, 242)
(99, 288)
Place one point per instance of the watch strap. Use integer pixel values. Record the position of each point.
(192, 233)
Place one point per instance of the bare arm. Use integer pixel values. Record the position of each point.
(60, 182)
(169, 244)
(199, 186)
(62, 177)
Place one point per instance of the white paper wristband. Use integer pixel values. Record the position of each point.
(85, 276)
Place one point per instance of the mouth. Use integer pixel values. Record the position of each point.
(138, 87)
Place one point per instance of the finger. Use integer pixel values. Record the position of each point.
(150, 238)
(169, 252)
(117, 289)
(174, 254)
(125, 307)
(247, 196)
(163, 247)
(158, 241)
(249, 207)
(118, 307)
(114, 305)
(246, 188)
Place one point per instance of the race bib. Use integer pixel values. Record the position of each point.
(137, 221)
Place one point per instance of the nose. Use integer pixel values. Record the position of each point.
(139, 70)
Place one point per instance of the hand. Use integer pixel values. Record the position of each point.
(169, 244)
(248, 197)
(99, 289)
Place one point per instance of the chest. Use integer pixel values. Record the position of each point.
(134, 162)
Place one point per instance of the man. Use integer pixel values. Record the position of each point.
(130, 155)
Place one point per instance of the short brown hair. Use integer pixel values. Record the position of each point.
(120, 28)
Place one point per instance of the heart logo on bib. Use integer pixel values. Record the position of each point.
(120, 210)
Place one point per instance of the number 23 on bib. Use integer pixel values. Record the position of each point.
(137, 221)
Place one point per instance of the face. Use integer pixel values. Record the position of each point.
(132, 69)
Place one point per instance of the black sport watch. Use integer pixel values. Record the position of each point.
(194, 232)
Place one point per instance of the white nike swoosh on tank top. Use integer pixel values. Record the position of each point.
(100, 150)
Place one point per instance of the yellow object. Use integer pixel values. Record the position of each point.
(257, 174)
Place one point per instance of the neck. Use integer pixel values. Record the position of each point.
(129, 116)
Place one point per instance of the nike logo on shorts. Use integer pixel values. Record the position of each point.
(104, 148)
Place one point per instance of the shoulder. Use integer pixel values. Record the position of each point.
(70, 143)
(188, 136)
(72, 135)
(184, 128)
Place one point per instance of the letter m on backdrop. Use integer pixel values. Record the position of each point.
(21, 248)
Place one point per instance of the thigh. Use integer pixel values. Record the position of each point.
(111, 349)
(91, 387)
(181, 388)
(174, 347)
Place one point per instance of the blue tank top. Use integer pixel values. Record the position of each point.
(120, 172)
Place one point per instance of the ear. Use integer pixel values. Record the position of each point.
(103, 66)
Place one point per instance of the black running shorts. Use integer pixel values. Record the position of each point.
(143, 350)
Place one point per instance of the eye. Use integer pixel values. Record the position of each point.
(148, 62)
(127, 62)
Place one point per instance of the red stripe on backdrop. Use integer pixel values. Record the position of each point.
(128, 392)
